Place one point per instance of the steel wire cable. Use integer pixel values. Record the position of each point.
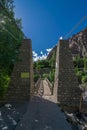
(76, 26)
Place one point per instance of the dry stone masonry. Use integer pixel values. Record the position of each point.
(21, 84)
(66, 84)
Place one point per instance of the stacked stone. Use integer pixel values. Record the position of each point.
(21, 89)
(69, 92)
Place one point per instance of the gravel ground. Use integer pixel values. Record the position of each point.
(36, 114)
(43, 115)
(77, 120)
(11, 114)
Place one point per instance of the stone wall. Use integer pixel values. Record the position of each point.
(21, 86)
(66, 83)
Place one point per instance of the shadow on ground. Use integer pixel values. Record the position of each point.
(43, 114)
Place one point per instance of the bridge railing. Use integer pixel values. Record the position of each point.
(37, 85)
(50, 85)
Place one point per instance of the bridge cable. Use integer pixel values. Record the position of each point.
(76, 26)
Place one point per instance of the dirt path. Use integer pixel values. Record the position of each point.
(43, 114)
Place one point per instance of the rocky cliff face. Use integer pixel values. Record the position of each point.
(51, 52)
(78, 44)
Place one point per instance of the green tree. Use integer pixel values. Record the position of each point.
(84, 79)
(78, 62)
(11, 37)
(85, 64)
(52, 60)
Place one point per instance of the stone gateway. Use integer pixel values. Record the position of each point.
(66, 83)
(21, 86)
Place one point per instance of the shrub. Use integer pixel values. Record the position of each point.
(85, 64)
(51, 75)
(36, 77)
(79, 75)
(45, 76)
(78, 62)
(84, 79)
(4, 81)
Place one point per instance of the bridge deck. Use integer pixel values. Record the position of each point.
(43, 114)
(47, 91)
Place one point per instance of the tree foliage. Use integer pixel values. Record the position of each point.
(41, 64)
(80, 65)
(11, 37)
(46, 64)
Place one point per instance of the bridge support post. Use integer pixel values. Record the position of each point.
(66, 83)
(21, 87)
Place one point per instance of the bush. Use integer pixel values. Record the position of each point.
(36, 77)
(84, 79)
(80, 65)
(4, 81)
(85, 64)
(78, 62)
(45, 76)
(51, 75)
(79, 75)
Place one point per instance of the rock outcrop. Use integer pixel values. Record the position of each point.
(78, 44)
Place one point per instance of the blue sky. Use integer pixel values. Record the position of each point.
(44, 21)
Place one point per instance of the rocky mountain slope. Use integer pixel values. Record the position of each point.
(78, 43)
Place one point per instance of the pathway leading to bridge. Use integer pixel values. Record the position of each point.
(43, 113)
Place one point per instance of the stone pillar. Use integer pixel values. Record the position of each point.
(21, 87)
(66, 83)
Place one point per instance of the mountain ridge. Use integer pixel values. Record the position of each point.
(77, 44)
